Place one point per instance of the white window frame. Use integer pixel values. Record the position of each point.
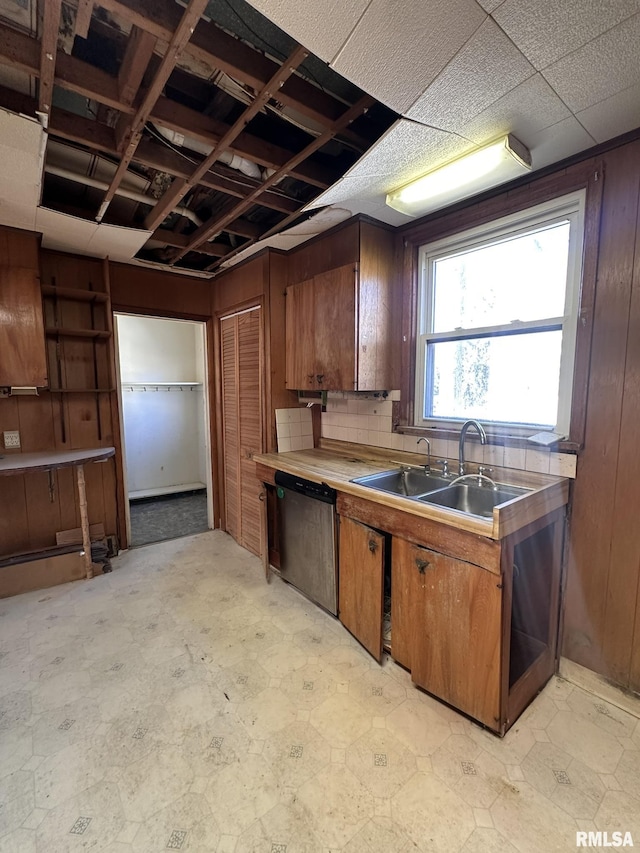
(569, 207)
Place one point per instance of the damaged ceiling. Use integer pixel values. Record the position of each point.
(202, 125)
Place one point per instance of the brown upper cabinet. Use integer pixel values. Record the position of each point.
(22, 342)
(340, 321)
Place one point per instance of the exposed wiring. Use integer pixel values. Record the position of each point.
(270, 47)
(230, 178)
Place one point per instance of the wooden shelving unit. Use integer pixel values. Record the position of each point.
(78, 330)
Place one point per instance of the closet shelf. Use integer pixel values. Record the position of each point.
(160, 384)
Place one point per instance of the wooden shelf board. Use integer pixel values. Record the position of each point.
(77, 333)
(74, 293)
(80, 390)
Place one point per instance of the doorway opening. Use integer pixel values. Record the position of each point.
(165, 427)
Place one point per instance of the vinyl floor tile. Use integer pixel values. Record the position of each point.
(182, 703)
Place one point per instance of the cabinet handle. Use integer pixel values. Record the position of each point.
(310, 377)
(422, 565)
(373, 546)
(262, 496)
(320, 377)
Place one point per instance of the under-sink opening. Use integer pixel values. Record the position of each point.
(386, 597)
(531, 601)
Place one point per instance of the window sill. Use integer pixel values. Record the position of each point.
(496, 438)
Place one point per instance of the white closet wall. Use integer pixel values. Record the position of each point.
(162, 375)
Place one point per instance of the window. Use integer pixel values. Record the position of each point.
(497, 318)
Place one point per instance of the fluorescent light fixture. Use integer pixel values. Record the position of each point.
(486, 167)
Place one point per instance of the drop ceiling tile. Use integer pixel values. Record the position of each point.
(365, 187)
(14, 212)
(616, 115)
(546, 30)
(487, 67)
(379, 210)
(559, 141)
(530, 107)
(407, 150)
(119, 244)
(400, 46)
(63, 232)
(322, 26)
(608, 64)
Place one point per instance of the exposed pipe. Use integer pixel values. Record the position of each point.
(248, 168)
(132, 195)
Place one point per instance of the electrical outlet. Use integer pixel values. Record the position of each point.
(11, 438)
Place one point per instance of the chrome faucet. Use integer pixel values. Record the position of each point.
(463, 434)
(427, 467)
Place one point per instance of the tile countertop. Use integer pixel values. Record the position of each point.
(337, 466)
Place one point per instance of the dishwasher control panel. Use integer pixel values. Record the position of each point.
(319, 491)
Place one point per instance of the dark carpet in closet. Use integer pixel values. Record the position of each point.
(168, 517)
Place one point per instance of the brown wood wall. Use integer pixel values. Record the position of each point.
(30, 511)
(601, 627)
(602, 604)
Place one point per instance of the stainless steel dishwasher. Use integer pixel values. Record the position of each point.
(307, 513)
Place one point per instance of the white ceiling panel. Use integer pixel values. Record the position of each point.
(64, 233)
(486, 68)
(557, 142)
(530, 107)
(119, 244)
(546, 30)
(379, 210)
(616, 115)
(322, 26)
(18, 205)
(605, 66)
(400, 46)
(365, 187)
(408, 150)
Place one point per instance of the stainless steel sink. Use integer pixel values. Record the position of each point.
(473, 499)
(406, 482)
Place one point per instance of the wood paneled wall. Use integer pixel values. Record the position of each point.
(34, 507)
(602, 603)
(601, 609)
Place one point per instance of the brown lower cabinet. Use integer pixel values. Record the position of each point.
(475, 621)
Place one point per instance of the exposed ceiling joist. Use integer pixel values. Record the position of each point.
(165, 160)
(209, 130)
(180, 188)
(48, 50)
(139, 51)
(217, 223)
(20, 51)
(133, 133)
(217, 49)
(83, 17)
(169, 139)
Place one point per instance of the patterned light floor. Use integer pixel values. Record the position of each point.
(181, 703)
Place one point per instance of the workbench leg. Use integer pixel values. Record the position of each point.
(84, 520)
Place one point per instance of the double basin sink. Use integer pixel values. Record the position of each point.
(472, 497)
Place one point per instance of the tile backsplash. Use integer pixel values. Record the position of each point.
(294, 429)
(367, 420)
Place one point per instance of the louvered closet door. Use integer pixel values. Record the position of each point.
(241, 337)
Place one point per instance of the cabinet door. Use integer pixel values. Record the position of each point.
(457, 629)
(362, 553)
(335, 329)
(22, 341)
(300, 336)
